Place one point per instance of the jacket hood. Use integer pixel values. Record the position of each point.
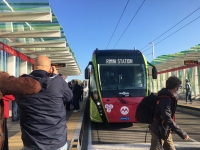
(165, 91)
(42, 77)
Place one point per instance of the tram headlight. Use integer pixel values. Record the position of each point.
(95, 95)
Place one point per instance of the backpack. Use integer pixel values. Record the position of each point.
(188, 87)
(146, 109)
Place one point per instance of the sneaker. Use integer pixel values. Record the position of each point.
(76, 110)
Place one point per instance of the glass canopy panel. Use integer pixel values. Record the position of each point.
(24, 6)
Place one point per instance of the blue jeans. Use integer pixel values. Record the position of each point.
(29, 148)
(14, 110)
(188, 96)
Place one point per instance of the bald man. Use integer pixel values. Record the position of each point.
(43, 121)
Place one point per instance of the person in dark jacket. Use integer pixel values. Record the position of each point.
(76, 93)
(164, 123)
(67, 105)
(43, 115)
(81, 92)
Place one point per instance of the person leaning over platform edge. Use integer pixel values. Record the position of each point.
(43, 115)
(12, 85)
(164, 117)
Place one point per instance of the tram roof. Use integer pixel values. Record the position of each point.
(175, 61)
(116, 51)
(32, 28)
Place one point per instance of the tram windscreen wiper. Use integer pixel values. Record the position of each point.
(116, 95)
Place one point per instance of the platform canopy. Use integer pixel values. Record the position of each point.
(176, 60)
(32, 28)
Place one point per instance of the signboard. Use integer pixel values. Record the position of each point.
(191, 62)
(59, 65)
(119, 61)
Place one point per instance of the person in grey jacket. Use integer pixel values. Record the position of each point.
(188, 93)
(164, 117)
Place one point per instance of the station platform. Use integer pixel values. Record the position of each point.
(73, 120)
(73, 123)
(194, 105)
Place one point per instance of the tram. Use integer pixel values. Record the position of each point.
(117, 83)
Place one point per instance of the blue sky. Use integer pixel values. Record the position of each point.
(89, 24)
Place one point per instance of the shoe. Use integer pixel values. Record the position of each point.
(190, 102)
(76, 111)
(13, 120)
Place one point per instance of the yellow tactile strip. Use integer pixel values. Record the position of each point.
(71, 125)
(15, 142)
(75, 143)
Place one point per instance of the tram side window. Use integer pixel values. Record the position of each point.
(93, 86)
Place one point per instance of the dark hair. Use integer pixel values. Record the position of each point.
(173, 82)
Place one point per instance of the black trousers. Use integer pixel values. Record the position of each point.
(81, 96)
(76, 103)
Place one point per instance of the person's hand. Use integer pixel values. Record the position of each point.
(187, 137)
(55, 71)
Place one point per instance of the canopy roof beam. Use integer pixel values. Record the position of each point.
(25, 17)
(32, 34)
(44, 44)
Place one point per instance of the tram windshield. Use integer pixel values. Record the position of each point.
(123, 76)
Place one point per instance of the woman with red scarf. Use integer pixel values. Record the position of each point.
(6, 99)
(16, 86)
